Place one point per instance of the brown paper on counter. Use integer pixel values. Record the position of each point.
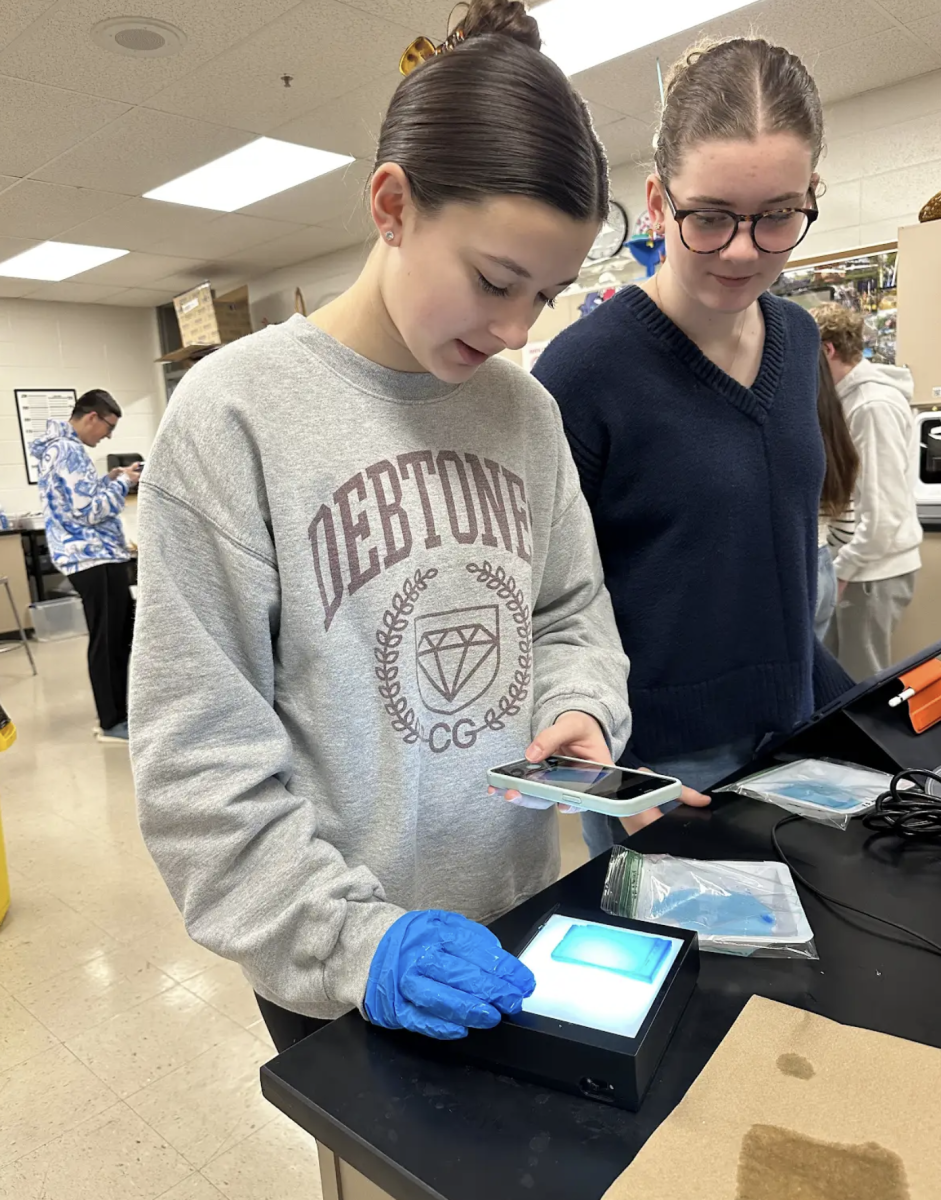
(795, 1107)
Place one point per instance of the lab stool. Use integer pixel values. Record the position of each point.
(19, 624)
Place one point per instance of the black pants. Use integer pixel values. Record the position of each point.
(286, 1027)
(109, 614)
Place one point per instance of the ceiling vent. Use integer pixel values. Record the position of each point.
(140, 37)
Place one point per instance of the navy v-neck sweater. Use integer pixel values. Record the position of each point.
(705, 496)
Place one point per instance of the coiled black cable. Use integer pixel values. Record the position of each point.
(913, 812)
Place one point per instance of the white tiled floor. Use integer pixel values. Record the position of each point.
(129, 1055)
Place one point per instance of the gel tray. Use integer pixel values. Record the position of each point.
(635, 955)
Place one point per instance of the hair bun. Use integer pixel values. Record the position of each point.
(506, 17)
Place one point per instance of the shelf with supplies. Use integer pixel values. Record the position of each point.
(864, 280)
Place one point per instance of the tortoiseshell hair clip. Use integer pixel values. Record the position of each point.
(424, 48)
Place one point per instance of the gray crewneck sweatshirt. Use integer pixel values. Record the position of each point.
(359, 590)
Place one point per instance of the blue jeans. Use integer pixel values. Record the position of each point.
(698, 771)
(826, 592)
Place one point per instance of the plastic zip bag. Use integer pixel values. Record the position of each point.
(821, 789)
(744, 908)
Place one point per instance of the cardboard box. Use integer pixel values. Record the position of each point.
(207, 321)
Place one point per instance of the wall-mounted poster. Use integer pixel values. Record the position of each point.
(36, 406)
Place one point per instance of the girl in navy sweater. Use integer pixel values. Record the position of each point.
(690, 406)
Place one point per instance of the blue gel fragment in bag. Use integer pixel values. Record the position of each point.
(738, 914)
(826, 795)
(636, 955)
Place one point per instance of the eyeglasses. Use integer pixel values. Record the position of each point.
(709, 230)
(112, 425)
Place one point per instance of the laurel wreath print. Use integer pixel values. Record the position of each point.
(391, 633)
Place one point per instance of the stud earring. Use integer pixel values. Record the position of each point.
(390, 236)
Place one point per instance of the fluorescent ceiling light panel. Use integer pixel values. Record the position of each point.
(578, 34)
(261, 169)
(57, 260)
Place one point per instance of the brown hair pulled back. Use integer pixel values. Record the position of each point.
(736, 89)
(842, 459)
(494, 117)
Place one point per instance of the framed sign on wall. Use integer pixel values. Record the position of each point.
(34, 407)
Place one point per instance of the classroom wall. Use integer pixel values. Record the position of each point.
(80, 346)
(883, 162)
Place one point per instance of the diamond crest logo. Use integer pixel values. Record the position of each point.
(457, 657)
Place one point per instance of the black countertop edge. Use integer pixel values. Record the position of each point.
(369, 1160)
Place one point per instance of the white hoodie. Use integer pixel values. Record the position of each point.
(877, 403)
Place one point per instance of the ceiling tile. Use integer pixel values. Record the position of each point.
(68, 291)
(627, 140)
(222, 278)
(928, 30)
(318, 200)
(323, 45)
(137, 270)
(629, 84)
(138, 297)
(48, 121)
(358, 222)
(17, 15)
(426, 17)
(142, 150)
(184, 280)
(62, 37)
(42, 210)
(601, 115)
(226, 235)
(10, 247)
(285, 251)
(872, 62)
(139, 224)
(13, 288)
(908, 11)
(347, 125)
(808, 27)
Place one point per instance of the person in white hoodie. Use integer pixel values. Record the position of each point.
(877, 567)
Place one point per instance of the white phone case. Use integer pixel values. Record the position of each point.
(581, 801)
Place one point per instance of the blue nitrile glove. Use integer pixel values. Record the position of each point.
(439, 974)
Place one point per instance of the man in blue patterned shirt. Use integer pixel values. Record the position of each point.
(86, 542)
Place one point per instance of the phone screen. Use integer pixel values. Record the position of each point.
(611, 783)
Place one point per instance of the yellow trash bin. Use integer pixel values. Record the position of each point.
(7, 738)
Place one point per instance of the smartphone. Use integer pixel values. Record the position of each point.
(615, 791)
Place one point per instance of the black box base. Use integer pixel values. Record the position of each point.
(571, 1058)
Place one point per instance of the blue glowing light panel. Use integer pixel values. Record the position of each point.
(596, 975)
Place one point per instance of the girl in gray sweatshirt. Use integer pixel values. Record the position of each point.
(367, 574)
